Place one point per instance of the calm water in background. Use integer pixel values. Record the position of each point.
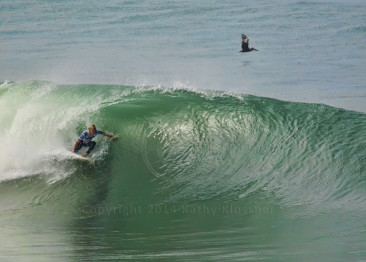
(206, 167)
(312, 51)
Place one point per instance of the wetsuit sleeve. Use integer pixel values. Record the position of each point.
(99, 132)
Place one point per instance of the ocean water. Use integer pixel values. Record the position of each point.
(221, 156)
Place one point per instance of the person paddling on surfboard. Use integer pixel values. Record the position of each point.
(245, 45)
(86, 137)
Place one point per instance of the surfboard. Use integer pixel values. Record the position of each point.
(87, 159)
(63, 155)
(80, 157)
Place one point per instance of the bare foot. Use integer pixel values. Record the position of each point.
(85, 154)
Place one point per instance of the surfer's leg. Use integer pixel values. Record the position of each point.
(80, 145)
(90, 146)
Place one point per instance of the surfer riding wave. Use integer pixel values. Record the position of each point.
(85, 139)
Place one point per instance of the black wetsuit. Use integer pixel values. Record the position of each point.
(90, 146)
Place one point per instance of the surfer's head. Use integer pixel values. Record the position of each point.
(243, 36)
(92, 128)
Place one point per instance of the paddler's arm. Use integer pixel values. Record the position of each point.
(76, 145)
(108, 135)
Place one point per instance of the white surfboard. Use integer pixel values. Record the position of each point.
(80, 157)
(64, 155)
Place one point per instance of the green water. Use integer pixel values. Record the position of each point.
(194, 176)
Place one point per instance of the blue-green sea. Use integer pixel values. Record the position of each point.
(220, 156)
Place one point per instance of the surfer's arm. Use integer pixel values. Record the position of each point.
(76, 145)
(108, 135)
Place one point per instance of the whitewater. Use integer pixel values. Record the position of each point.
(221, 156)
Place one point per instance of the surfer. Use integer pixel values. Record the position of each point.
(245, 44)
(86, 137)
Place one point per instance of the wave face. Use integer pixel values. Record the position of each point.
(176, 146)
(212, 145)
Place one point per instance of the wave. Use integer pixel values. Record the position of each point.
(177, 144)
